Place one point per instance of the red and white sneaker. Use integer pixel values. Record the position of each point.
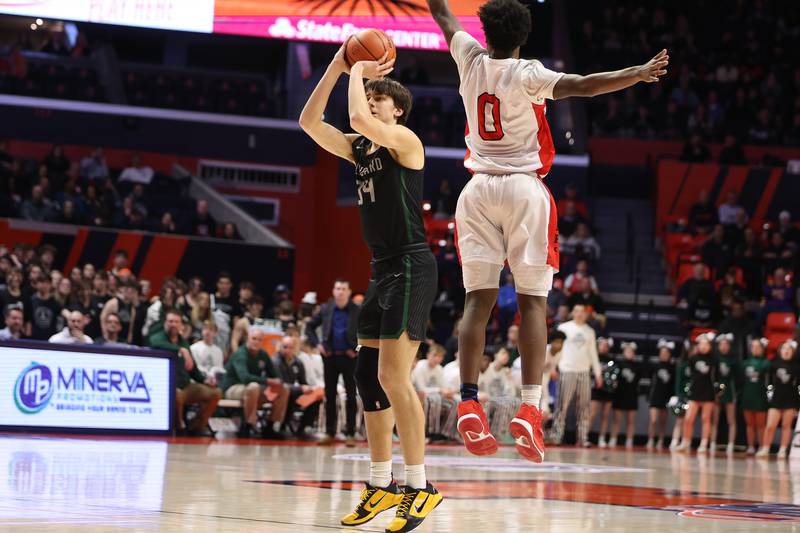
(474, 428)
(526, 428)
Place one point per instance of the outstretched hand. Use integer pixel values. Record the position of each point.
(375, 70)
(656, 67)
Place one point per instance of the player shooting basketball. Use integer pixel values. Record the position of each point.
(506, 212)
(389, 166)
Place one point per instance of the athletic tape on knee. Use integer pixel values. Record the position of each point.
(369, 388)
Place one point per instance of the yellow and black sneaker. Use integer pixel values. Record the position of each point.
(374, 500)
(415, 506)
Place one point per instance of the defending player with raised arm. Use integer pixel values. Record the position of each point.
(505, 211)
(389, 164)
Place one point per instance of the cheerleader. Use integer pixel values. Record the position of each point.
(754, 392)
(726, 374)
(677, 402)
(784, 376)
(662, 386)
(601, 397)
(703, 369)
(626, 397)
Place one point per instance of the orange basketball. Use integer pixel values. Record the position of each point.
(368, 45)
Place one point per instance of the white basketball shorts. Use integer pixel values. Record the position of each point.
(510, 217)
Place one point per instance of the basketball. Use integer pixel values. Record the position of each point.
(368, 45)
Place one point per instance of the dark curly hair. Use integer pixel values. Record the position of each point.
(506, 24)
(396, 91)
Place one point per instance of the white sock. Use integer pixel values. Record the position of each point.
(415, 476)
(380, 474)
(532, 395)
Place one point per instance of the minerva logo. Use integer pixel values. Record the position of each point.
(35, 385)
(33, 389)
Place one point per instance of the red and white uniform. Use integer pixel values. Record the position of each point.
(506, 212)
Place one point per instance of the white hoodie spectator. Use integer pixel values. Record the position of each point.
(207, 355)
(73, 332)
(137, 173)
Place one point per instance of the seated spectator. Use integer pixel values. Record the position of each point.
(251, 377)
(37, 207)
(193, 386)
(230, 232)
(94, 167)
(731, 152)
(729, 211)
(695, 150)
(779, 295)
(568, 220)
(717, 252)
(581, 280)
(734, 233)
(313, 364)
(15, 321)
(502, 402)
(202, 224)
(777, 254)
(790, 232)
(166, 224)
(208, 356)
(571, 195)
(437, 400)
(73, 331)
(132, 313)
(111, 329)
(302, 396)
(137, 172)
(45, 313)
(556, 298)
(582, 244)
(729, 290)
(748, 257)
(703, 214)
(68, 214)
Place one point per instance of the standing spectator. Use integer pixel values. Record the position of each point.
(202, 224)
(192, 385)
(293, 374)
(14, 320)
(741, 327)
(312, 362)
(125, 305)
(208, 356)
(223, 298)
(339, 320)
(137, 172)
(73, 331)
(56, 162)
(251, 377)
(578, 357)
(94, 167)
(703, 214)
(497, 384)
(45, 313)
(12, 294)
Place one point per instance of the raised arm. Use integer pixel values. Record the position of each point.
(394, 136)
(448, 22)
(324, 134)
(609, 82)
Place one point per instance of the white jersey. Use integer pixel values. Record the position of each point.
(504, 99)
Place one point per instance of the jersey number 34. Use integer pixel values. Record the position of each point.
(366, 188)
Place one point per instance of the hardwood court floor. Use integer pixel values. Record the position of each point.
(65, 484)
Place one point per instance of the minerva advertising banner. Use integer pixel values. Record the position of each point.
(407, 22)
(77, 390)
